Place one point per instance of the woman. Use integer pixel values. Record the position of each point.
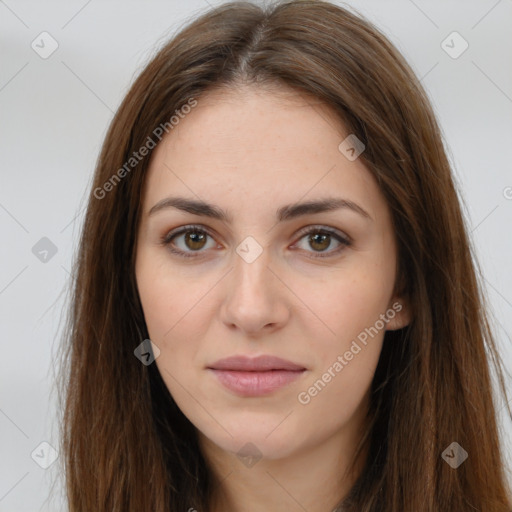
(275, 304)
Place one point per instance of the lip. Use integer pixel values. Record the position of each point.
(257, 376)
(255, 364)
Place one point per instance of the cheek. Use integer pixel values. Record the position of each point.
(168, 298)
(346, 361)
(171, 327)
(337, 397)
(351, 306)
(347, 303)
(175, 315)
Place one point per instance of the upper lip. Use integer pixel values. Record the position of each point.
(255, 364)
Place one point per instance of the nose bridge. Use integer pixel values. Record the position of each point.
(253, 299)
(251, 275)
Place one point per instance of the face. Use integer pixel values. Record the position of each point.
(311, 286)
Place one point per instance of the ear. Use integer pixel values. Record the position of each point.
(398, 313)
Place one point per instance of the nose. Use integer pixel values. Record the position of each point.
(256, 299)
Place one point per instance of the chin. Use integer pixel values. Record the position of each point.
(250, 440)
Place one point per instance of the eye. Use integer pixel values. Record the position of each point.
(195, 239)
(320, 239)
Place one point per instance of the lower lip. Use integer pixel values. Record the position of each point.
(256, 383)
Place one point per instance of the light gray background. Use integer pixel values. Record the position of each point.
(54, 113)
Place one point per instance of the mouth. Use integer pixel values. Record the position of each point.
(258, 376)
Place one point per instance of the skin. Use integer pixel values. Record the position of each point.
(251, 150)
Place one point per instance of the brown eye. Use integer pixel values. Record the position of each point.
(320, 239)
(195, 241)
(189, 240)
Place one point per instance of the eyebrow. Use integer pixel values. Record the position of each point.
(285, 213)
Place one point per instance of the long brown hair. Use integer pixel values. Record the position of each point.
(126, 445)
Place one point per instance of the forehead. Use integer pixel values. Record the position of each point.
(251, 119)
(255, 147)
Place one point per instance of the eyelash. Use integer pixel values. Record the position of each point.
(166, 240)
